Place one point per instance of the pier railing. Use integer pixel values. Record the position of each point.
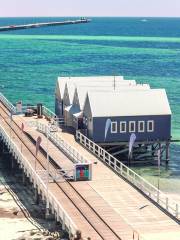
(157, 196)
(71, 153)
(61, 214)
(7, 103)
(48, 113)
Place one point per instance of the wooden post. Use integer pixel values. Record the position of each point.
(177, 211)
(23, 177)
(152, 150)
(63, 221)
(167, 203)
(167, 152)
(12, 163)
(36, 196)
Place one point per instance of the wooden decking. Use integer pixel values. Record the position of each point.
(131, 206)
(107, 203)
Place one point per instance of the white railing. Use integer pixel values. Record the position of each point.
(52, 116)
(48, 113)
(8, 104)
(71, 153)
(144, 186)
(56, 206)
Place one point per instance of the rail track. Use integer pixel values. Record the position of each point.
(103, 230)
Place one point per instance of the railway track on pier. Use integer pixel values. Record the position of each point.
(89, 214)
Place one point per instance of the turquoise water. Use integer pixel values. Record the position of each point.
(149, 52)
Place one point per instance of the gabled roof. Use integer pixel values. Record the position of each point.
(129, 103)
(109, 81)
(82, 90)
(71, 90)
(61, 85)
(92, 78)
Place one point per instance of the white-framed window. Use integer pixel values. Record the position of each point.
(123, 127)
(150, 126)
(132, 126)
(141, 126)
(113, 127)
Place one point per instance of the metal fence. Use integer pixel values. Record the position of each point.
(144, 186)
(61, 214)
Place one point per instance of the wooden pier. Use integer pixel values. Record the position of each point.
(109, 206)
(47, 24)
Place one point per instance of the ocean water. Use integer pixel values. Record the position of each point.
(147, 51)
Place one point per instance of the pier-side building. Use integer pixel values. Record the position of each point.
(113, 117)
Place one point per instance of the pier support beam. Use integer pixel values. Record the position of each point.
(23, 178)
(152, 150)
(167, 152)
(12, 163)
(36, 196)
(47, 214)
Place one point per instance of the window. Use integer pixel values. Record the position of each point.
(150, 126)
(113, 127)
(122, 127)
(132, 126)
(141, 125)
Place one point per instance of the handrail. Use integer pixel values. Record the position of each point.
(61, 213)
(7, 103)
(48, 113)
(71, 152)
(139, 182)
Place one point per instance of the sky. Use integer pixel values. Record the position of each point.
(121, 8)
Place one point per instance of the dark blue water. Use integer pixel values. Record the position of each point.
(153, 27)
(147, 50)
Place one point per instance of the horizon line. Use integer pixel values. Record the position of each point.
(78, 16)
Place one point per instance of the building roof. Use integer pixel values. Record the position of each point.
(90, 82)
(61, 84)
(72, 109)
(94, 80)
(82, 90)
(129, 103)
(71, 90)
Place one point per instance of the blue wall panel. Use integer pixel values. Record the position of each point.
(162, 129)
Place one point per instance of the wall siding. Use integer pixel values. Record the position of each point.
(162, 129)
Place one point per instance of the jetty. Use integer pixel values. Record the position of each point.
(84, 187)
(46, 24)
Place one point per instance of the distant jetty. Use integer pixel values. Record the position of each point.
(46, 24)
